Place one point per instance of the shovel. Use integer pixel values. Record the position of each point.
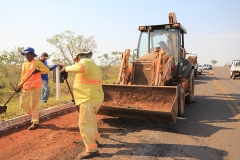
(3, 108)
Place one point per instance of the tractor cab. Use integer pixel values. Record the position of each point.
(169, 37)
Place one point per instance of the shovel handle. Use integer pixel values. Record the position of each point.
(71, 93)
(20, 86)
(69, 89)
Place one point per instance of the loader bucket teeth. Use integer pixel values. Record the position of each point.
(141, 102)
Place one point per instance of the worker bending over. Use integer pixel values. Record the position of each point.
(30, 98)
(88, 94)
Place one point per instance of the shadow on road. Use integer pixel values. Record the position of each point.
(203, 79)
(176, 151)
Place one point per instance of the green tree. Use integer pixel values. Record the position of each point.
(68, 43)
(214, 62)
(110, 61)
(227, 64)
(10, 66)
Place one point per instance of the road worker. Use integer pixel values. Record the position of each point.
(163, 45)
(45, 86)
(30, 98)
(88, 95)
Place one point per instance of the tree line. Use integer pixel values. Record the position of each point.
(67, 44)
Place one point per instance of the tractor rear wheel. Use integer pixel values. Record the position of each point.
(190, 78)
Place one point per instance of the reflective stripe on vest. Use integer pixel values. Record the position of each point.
(88, 81)
(35, 81)
(82, 68)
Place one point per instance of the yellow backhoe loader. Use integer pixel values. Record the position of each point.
(158, 82)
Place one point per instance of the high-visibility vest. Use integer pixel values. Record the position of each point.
(92, 76)
(35, 81)
(88, 83)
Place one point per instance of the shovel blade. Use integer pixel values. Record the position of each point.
(3, 109)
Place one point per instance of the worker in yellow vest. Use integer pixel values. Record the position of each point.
(30, 98)
(88, 95)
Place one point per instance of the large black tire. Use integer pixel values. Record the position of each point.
(190, 78)
(181, 101)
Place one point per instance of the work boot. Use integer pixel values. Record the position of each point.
(86, 155)
(33, 126)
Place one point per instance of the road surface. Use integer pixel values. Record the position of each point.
(209, 130)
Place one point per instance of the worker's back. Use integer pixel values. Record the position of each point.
(92, 71)
(88, 84)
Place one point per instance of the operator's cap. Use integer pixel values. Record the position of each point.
(28, 49)
(44, 54)
(83, 52)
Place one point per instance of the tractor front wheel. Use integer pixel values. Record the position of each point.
(190, 78)
(181, 101)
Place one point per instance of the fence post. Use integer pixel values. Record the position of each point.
(58, 83)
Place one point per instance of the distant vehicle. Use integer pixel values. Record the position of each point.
(207, 67)
(210, 66)
(235, 69)
(200, 69)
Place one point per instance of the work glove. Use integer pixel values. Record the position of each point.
(64, 75)
(36, 70)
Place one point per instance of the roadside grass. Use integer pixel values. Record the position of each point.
(14, 109)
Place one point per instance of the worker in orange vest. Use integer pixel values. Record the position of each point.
(30, 98)
(88, 95)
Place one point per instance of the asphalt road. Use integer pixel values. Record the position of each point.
(208, 130)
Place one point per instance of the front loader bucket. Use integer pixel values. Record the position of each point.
(157, 103)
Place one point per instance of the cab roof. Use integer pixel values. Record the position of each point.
(163, 26)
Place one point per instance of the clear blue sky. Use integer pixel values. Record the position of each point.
(213, 26)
